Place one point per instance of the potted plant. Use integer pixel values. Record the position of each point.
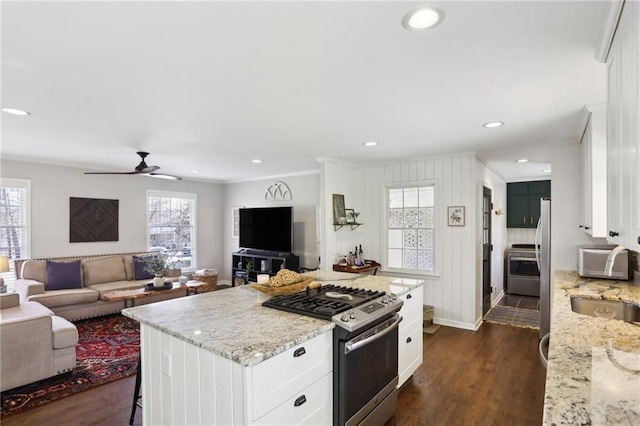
(156, 265)
(172, 263)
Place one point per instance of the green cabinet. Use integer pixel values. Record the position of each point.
(523, 202)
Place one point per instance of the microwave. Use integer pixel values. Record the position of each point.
(593, 259)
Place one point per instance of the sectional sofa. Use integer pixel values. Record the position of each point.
(43, 281)
(34, 343)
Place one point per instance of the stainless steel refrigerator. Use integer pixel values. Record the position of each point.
(543, 257)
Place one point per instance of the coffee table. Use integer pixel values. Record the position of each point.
(129, 297)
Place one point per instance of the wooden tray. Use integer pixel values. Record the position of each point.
(287, 289)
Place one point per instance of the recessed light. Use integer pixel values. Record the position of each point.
(492, 124)
(195, 171)
(522, 160)
(370, 143)
(422, 19)
(256, 161)
(15, 111)
(546, 171)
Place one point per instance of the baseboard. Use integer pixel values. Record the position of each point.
(456, 324)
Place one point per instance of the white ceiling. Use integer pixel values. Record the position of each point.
(210, 86)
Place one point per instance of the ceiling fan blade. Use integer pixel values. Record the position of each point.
(161, 176)
(111, 173)
(147, 169)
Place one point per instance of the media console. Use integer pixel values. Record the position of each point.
(261, 263)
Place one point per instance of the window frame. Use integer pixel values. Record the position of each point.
(10, 277)
(436, 228)
(193, 197)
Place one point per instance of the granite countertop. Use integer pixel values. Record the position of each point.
(593, 372)
(233, 323)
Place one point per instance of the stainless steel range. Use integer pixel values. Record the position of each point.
(365, 348)
(523, 275)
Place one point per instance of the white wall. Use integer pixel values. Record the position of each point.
(304, 192)
(52, 186)
(453, 290)
(566, 204)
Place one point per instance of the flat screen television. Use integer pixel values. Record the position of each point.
(267, 228)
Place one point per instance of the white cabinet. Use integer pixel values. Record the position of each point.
(623, 213)
(288, 388)
(187, 384)
(410, 335)
(594, 172)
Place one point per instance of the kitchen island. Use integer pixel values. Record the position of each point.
(593, 373)
(222, 358)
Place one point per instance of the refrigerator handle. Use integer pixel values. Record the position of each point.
(538, 242)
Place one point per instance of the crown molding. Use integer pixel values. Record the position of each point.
(609, 30)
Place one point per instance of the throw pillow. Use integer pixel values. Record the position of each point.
(63, 275)
(139, 271)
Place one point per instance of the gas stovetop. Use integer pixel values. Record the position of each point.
(350, 308)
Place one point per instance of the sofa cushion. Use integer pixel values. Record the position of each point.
(34, 270)
(103, 270)
(139, 271)
(128, 267)
(63, 275)
(51, 299)
(65, 334)
(117, 286)
(25, 310)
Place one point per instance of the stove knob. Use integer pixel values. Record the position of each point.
(352, 314)
(384, 300)
(344, 318)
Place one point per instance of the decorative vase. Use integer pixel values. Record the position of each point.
(158, 281)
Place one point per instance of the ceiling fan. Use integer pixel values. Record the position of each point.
(141, 169)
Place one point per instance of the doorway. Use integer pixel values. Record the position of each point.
(486, 250)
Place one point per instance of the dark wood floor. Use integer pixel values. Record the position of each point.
(492, 376)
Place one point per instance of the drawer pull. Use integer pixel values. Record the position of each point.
(408, 339)
(300, 401)
(409, 296)
(299, 352)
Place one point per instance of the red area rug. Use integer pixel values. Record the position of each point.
(107, 350)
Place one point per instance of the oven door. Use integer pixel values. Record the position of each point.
(367, 372)
(523, 266)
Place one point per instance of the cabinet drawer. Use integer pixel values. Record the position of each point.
(409, 350)
(311, 406)
(280, 378)
(412, 307)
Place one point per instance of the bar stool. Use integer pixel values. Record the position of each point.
(136, 392)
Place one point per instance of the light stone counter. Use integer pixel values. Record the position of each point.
(233, 323)
(593, 373)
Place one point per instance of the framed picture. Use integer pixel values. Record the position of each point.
(350, 215)
(339, 215)
(455, 215)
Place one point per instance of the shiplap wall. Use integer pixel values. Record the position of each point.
(521, 236)
(453, 290)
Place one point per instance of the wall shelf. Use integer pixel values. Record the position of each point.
(353, 226)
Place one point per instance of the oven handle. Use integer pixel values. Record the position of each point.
(380, 331)
(523, 259)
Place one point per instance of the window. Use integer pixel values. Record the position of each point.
(172, 227)
(410, 228)
(15, 224)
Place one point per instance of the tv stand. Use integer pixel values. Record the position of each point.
(272, 262)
